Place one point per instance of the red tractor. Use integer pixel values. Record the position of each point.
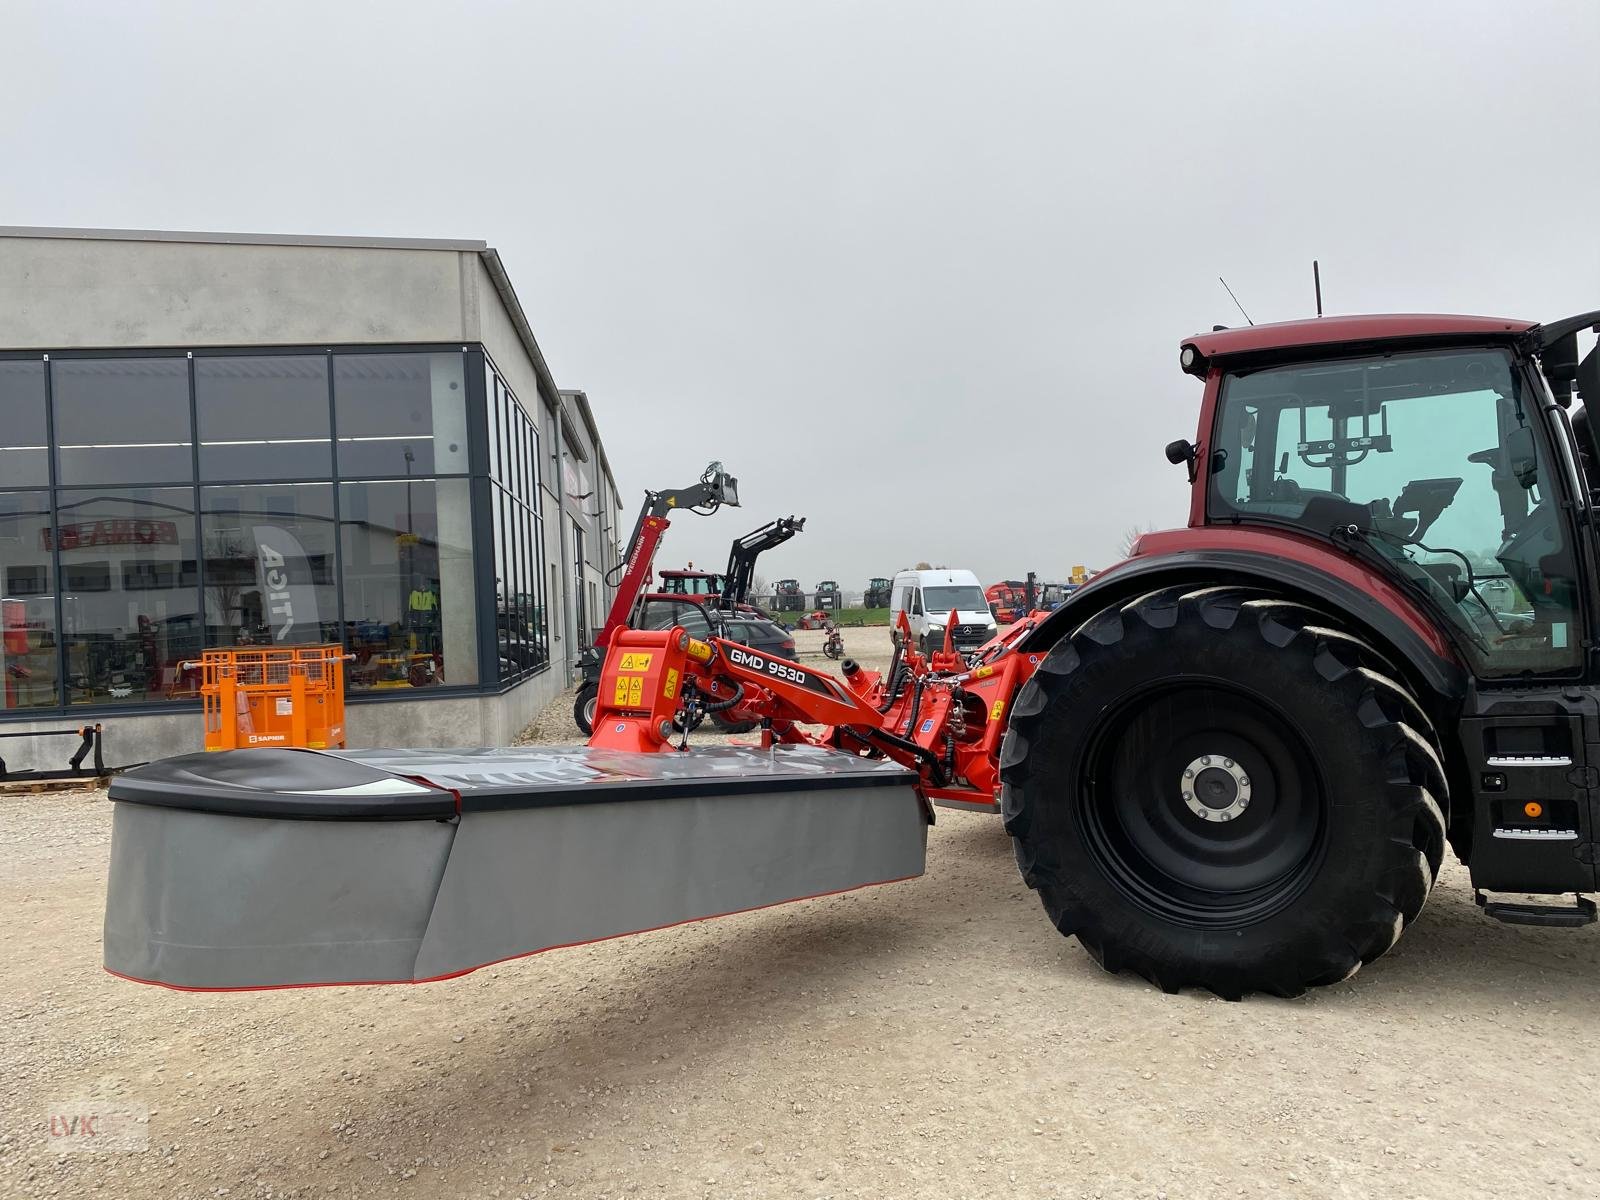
(1245, 750)
(1233, 761)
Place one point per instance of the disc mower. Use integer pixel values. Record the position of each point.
(1232, 761)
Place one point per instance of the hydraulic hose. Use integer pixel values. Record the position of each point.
(724, 705)
(916, 705)
(891, 689)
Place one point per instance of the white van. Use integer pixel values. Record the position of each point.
(927, 598)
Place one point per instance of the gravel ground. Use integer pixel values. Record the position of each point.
(926, 1039)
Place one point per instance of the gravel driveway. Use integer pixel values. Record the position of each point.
(927, 1039)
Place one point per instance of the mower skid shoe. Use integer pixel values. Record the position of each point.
(281, 868)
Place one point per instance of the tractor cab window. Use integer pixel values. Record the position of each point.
(664, 614)
(1429, 462)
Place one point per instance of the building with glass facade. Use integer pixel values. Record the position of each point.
(223, 440)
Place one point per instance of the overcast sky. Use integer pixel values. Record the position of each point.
(915, 271)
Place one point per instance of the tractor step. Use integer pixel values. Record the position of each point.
(1550, 916)
(282, 868)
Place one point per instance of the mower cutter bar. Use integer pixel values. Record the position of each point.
(282, 868)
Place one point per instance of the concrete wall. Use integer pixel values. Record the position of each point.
(492, 326)
(66, 293)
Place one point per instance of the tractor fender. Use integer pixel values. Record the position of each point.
(1319, 576)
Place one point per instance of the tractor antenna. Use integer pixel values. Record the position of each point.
(1316, 279)
(1235, 299)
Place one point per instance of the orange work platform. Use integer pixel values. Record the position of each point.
(293, 696)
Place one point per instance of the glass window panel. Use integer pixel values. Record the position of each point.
(524, 565)
(514, 431)
(29, 665)
(513, 459)
(24, 434)
(530, 584)
(401, 414)
(129, 594)
(514, 581)
(508, 433)
(263, 417)
(541, 614)
(122, 420)
(533, 463)
(514, 454)
(492, 405)
(523, 456)
(269, 554)
(408, 595)
(503, 429)
(519, 586)
(502, 586)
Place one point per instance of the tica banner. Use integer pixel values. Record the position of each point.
(291, 606)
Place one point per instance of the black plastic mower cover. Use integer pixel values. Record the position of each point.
(273, 868)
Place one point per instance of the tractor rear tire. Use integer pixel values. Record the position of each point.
(583, 707)
(1217, 787)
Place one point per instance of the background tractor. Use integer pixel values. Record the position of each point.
(787, 596)
(877, 593)
(829, 595)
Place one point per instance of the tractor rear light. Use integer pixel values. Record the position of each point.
(1533, 810)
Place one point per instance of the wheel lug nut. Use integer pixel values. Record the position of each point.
(1227, 762)
(1188, 795)
(1188, 774)
(1206, 759)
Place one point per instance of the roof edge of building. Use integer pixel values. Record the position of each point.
(241, 239)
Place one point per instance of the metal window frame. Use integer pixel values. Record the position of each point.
(483, 488)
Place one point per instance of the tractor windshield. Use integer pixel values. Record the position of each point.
(1434, 461)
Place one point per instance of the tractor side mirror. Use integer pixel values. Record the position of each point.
(1560, 361)
(1186, 452)
(1589, 377)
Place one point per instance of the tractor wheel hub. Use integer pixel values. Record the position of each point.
(1215, 788)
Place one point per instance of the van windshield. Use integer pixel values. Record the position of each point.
(943, 599)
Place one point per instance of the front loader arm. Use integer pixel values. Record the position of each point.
(716, 488)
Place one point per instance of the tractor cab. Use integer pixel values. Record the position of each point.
(690, 582)
(1439, 465)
